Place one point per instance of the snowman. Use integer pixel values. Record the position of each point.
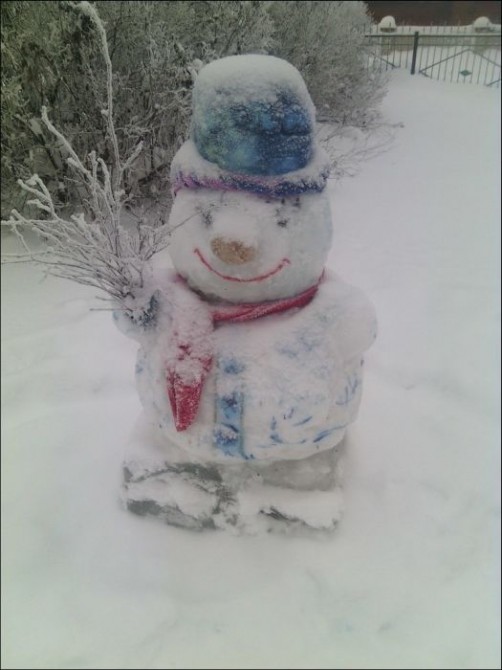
(251, 352)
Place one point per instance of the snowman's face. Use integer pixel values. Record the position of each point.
(243, 248)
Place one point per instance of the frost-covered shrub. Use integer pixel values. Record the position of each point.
(46, 54)
(50, 57)
(93, 246)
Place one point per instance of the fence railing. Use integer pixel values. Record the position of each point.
(447, 53)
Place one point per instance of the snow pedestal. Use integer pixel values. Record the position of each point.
(247, 497)
(251, 353)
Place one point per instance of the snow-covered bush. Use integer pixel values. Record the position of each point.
(46, 52)
(92, 246)
(325, 41)
(156, 49)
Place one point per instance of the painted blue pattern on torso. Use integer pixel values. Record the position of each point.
(229, 408)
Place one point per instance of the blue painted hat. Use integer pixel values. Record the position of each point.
(252, 129)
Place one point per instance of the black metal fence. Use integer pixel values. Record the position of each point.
(447, 53)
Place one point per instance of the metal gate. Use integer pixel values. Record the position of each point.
(446, 53)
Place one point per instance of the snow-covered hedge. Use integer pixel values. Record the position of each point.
(50, 57)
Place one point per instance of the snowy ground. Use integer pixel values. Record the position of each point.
(411, 578)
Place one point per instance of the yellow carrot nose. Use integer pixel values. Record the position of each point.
(232, 252)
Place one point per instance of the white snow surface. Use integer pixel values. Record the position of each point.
(410, 579)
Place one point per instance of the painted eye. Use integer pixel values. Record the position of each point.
(207, 218)
(282, 223)
(297, 202)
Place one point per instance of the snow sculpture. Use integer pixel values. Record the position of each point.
(251, 357)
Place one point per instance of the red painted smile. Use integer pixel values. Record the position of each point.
(283, 263)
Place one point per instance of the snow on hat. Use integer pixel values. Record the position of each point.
(252, 129)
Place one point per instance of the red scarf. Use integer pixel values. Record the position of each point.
(192, 353)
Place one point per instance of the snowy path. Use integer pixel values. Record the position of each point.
(411, 578)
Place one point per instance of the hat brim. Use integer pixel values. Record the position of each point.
(190, 170)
